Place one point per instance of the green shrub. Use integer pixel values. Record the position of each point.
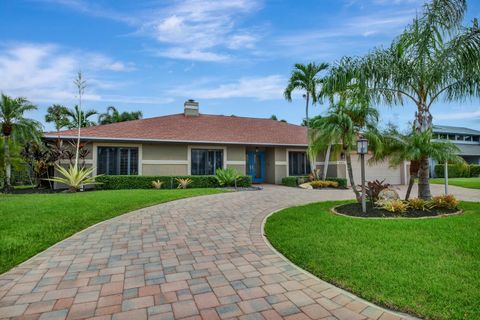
(295, 181)
(169, 182)
(454, 171)
(227, 177)
(475, 170)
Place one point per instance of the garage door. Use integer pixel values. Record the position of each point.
(378, 171)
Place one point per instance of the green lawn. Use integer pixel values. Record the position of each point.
(427, 267)
(472, 183)
(31, 223)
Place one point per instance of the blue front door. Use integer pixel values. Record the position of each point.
(256, 166)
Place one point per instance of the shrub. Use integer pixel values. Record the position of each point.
(454, 171)
(420, 204)
(318, 184)
(227, 177)
(446, 201)
(395, 206)
(373, 188)
(75, 177)
(157, 184)
(297, 180)
(169, 182)
(475, 170)
(183, 183)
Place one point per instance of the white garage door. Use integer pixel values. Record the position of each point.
(378, 171)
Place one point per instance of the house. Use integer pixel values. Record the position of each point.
(467, 140)
(191, 143)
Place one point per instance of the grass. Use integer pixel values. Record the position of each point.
(471, 183)
(31, 223)
(426, 267)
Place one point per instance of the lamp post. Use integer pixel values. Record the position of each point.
(362, 149)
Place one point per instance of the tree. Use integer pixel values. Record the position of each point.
(113, 115)
(397, 147)
(57, 114)
(344, 122)
(435, 58)
(78, 117)
(305, 78)
(15, 128)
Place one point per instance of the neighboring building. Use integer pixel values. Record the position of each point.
(467, 140)
(191, 143)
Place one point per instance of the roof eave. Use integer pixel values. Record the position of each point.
(177, 141)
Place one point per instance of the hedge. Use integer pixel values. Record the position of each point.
(454, 171)
(169, 182)
(475, 170)
(297, 180)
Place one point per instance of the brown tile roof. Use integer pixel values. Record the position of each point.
(202, 128)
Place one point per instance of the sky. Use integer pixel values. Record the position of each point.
(233, 57)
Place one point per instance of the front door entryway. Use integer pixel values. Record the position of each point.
(256, 166)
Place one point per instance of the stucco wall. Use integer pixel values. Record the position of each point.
(165, 169)
(165, 152)
(236, 153)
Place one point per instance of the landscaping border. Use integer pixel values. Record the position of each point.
(444, 215)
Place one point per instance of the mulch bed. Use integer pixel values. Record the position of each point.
(355, 210)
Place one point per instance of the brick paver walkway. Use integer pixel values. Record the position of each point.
(197, 258)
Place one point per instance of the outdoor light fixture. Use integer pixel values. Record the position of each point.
(362, 149)
(362, 146)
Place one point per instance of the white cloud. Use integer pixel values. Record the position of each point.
(200, 29)
(261, 88)
(45, 73)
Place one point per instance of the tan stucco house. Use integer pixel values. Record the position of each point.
(191, 143)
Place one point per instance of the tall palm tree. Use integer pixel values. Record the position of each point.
(412, 146)
(15, 128)
(344, 122)
(77, 116)
(436, 58)
(113, 115)
(305, 78)
(57, 114)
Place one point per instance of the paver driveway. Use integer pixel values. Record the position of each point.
(197, 258)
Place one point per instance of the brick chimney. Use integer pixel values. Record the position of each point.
(190, 108)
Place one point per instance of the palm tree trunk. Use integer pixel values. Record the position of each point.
(413, 176)
(8, 165)
(307, 120)
(326, 161)
(423, 180)
(350, 175)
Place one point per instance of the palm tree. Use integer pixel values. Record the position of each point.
(398, 148)
(435, 58)
(305, 78)
(57, 114)
(15, 128)
(344, 122)
(113, 115)
(77, 116)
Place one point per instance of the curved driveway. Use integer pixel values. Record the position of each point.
(196, 258)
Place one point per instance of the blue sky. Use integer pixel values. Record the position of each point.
(234, 56)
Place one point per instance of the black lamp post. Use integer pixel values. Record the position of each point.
(362, 149)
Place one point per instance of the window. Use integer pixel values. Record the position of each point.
(206, 162)
(298, 164)
(117, 161)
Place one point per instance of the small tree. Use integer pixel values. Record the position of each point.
(306, 79)
(113, 115)
(413, 146)
(15, 129)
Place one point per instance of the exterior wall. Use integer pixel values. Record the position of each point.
(164, 170)
(281, 164)
(236, 158)
(165, 152)
(270, 165)
(378, 171)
